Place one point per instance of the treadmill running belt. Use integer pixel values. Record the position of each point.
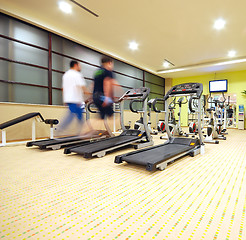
(104, 144)
(156, 154)
(57, 140)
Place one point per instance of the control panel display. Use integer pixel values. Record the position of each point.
(184, 89)
(137, 93)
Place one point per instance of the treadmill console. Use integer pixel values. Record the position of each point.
(185, 88)
(136, 93)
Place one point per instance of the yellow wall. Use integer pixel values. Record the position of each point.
(236, 84)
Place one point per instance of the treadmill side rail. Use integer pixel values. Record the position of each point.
(102, 153)
(163, 165)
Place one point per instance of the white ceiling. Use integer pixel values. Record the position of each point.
(180, 31)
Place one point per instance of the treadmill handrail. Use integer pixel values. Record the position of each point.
(135, 110)
(89, 108)
(154, 104)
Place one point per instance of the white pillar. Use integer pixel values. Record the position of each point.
(33, 130)
(51, 132)
(3, 137)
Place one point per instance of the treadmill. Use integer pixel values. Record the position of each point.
(138, 138)
(57, 143)
(157, 157)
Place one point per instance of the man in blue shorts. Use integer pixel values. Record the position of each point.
(74, 87)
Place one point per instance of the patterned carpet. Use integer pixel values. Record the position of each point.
(49, 195)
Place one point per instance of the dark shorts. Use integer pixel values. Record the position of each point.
(106, 111)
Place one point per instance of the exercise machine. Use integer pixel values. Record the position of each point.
(213, 128)
(157, 157)
(35, 116)
(159, 122)
(61, 142)
(192, 111)
(139, 123)
(128, 137)
(175, 125)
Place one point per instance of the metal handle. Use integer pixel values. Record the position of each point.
(89, 108)
(154, 104)
(131, 106)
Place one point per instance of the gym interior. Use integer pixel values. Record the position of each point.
(182, 172)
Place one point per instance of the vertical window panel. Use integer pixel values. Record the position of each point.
(128, 81)
(4, 95)
(57, 97)
(26, 33)
(30, 94)
(57, 79)
(29, 54)
(4, 25)
(154, 79)
(75, 50)
(4, 70)
(60, 63)
(155, 88)
(127, 69)
(88, 70)
(4, 48)
(27, 74)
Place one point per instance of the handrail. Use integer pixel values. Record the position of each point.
(21, 119)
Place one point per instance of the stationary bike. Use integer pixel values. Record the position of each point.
(213, 127)
(193, 108)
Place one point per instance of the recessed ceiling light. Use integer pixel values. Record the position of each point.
(133, 45)
(65, 7)
(219, 24)
(232, 53)
(166, 64)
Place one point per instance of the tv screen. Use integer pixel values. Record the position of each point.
(218, 86)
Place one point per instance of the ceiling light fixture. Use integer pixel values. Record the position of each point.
(133, 45)
(65, 7)
(219, 24)
(231, 53)
(166, 64)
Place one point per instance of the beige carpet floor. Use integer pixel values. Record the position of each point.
(49, 195)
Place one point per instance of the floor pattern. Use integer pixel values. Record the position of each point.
(49, 195)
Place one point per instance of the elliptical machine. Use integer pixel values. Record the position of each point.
(213, 127)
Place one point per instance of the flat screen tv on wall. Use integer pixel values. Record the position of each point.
(218, 86)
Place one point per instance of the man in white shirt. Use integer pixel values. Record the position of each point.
(74, 87)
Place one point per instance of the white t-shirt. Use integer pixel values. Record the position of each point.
(72, 81)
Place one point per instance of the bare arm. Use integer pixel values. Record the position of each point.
(109, 85)
(86, 92)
